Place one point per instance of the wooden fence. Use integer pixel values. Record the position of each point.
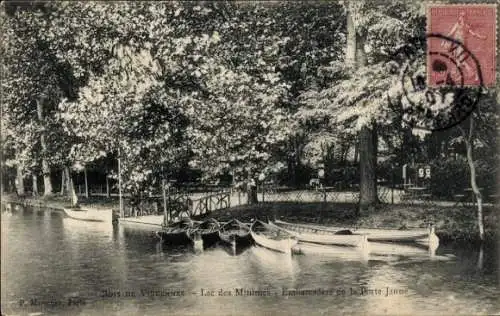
(210, 203)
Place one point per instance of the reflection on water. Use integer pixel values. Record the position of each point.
(48, 260)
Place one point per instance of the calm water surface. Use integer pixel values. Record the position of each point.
(54, 265)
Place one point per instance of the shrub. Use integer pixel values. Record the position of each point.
(449, 177)
(452, 176)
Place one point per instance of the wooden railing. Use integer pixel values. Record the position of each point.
(209, 203)
(176, 204)
(179, 206)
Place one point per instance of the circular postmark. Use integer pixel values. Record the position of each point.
(435, 93)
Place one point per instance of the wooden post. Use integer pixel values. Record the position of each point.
(86, 183)
(392, 184)
(122, 214)
(262, 192)
(107, 186)
(168, 202)
(63, 181)
(165, 208)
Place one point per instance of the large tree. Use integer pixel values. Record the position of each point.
(237, 121)
(355, 99)
(47, 54)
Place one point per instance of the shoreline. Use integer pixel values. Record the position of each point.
(83, 212)
(452, 224)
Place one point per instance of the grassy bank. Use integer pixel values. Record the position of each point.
(457, 224)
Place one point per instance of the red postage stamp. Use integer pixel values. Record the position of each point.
(461, 45)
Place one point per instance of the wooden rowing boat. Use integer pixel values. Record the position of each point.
(89, 215)
(181, 232)
(236, 234)
(420, 235)
(317, 235)
(272, 237)
(208, 231)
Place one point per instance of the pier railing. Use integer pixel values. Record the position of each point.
(154, 205)
(212, 202)
(181, 205)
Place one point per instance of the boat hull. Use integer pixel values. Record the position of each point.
(208, 232)
(236, 239)
(209, 239)
(235, 234)
(376, 234)
(283, 244)
(322, 236)
(176, 238)
(89, 215)
(181, 233)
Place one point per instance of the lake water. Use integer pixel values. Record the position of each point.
(54, 265)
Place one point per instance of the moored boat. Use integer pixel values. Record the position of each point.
(235, 233)
(89, 215)
(181, 232)
(272, 237)
(208, 231)
(421, 235)
(318, 235)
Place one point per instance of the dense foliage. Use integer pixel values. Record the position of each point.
(256, 90)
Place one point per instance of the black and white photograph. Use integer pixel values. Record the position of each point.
(249, 157)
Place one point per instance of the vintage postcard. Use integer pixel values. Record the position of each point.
(249, 158)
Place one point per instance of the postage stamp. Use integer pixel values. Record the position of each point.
(450, 100)
(467, 37)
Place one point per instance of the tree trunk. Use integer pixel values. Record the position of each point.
(356, 58)
(367, 164)
(35, 185)
(19, 180)
(356, 152)
(351, 39)
(71, 190)
(475, 188)
(480, 258)
(68, 183)
(252, 192)
(298, 150)
(107, 186)
(291, 171)
(63, 181)
(47, 183)
(86, 183)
